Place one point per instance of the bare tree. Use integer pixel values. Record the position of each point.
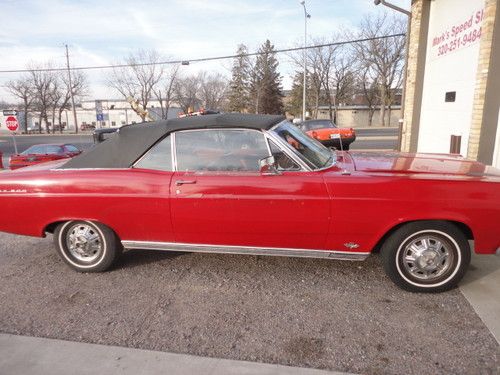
(367, 86)
(79, 87)
(165, 90)
(314, 75)
(43, 86)
(385, 56)
(139, 79)
(186, 92)
(55, 95)
(341, 78)
(22, 88)
(213, 90)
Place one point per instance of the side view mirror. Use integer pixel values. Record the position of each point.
(267, 166)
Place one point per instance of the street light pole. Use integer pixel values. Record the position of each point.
(71, 91)
(306, 16)
(405, 67)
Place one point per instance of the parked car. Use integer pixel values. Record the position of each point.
(58, 127)
(328, 133)
(256, 184)
(85, 127)
(100, 135)
(42, 153)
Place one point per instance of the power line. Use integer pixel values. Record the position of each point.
(202, 59)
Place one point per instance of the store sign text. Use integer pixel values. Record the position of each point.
(460, 35)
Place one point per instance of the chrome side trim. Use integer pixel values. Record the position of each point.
(244, 250)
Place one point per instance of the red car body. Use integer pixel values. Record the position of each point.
(41, 154)
(309, 210)
(350, 206)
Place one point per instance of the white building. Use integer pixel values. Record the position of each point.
(453, 84)
(115, 113)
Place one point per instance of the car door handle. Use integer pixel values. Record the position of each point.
(184, 182)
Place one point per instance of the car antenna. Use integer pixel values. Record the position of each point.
(344, 172)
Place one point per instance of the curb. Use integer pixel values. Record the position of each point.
(39, 356)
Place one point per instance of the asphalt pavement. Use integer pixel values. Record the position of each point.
(323, 314)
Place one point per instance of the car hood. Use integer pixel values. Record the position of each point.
(413, 163)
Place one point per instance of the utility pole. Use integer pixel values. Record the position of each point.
(306, 16)
(71, 90)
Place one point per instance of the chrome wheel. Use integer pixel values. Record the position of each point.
(87, 246)
(84, 242)
(427, 257)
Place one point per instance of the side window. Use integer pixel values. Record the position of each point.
(220, 150)
(159, 157)
(283, 161)
(72, 148)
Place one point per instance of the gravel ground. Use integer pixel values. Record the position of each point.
(315, 313)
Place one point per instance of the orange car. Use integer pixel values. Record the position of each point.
(327, 133)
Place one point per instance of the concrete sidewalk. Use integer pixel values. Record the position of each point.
(39, 356)
(481, 287)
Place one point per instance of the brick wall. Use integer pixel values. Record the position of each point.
(484, 61)
(411, 79)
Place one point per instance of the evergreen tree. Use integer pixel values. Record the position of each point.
(294, 103)
(265, 88)
(239, 87)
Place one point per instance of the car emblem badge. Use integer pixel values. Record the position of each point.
(351, 245)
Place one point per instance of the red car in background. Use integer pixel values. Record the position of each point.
(41, 153)
(328, 133)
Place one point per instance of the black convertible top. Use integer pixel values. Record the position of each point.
(132, 141)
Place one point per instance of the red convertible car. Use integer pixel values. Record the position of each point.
(256, 184)
(42, 153)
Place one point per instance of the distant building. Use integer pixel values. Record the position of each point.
(357, 116)
(116, 113)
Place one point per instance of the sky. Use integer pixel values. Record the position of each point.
(102, 32)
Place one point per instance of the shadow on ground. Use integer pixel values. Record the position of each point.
(343, 316)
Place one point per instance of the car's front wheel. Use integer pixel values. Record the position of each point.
(426, 256)
(87, 246)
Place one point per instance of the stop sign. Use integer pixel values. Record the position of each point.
(12, 123)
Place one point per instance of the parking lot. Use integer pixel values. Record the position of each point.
(302, 312)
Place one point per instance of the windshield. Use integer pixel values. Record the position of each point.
(42, 149)
(313, 153)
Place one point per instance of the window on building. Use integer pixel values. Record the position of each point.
(113, 123)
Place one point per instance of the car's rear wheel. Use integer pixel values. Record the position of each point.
(87, 246)
(426, 256)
